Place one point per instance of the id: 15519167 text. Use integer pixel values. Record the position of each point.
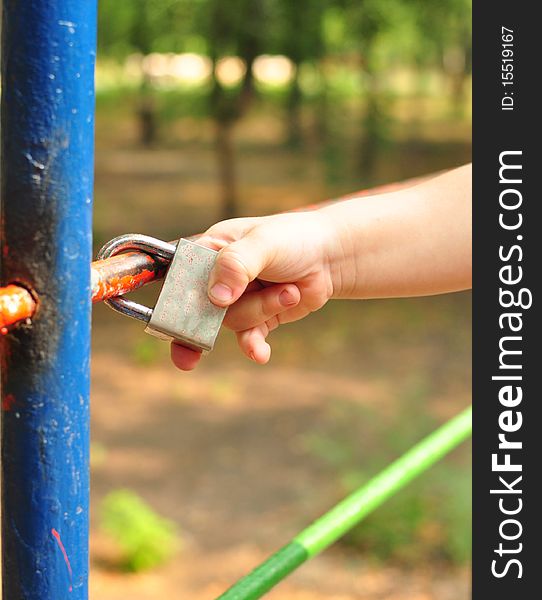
(507, 68)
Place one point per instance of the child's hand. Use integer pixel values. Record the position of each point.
(273, 270)
(269, 271)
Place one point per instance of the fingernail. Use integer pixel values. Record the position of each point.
(287, 299)
(221, 292)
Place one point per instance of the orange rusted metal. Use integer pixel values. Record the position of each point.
(124, 273)
(16, 304)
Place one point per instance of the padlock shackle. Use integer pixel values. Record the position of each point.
(143, 243)
(137, 241)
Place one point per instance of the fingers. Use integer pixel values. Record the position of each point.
(184, 358)
(225, 232)
(256, 307)
(252, 343)
(236, 266)
(242, 256)
(253, 316)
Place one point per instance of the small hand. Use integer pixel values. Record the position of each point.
(269, 271)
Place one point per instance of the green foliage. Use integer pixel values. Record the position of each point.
(145, 351)
(427, 521)
(352, 50)
(145, 539)
(127, 26)
(370, 36)
(305, 30)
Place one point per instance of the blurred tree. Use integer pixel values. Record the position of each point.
(300, 37)
(114, 23)
(140, 27)
(445, 32)
(410, 31)
(124, 28)
(368, 20)
(142, 35)
(369, 35)
(232, 28)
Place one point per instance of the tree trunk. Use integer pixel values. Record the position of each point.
(228, 108)
(147, 122)
(295, 97)
(225, 154)
(372, 133)
(146, 114)
(322, 107)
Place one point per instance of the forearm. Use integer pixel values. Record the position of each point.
(408, 243)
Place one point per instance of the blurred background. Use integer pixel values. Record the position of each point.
(208, 109)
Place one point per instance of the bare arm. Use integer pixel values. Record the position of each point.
(412, 242)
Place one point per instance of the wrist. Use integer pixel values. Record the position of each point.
(340, 253)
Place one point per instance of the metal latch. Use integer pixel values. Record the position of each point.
(183, 311)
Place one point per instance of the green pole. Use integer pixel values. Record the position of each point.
(349, 512)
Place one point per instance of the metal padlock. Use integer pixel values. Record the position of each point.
(183, 311)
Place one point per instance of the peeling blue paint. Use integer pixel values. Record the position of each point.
(48, 50)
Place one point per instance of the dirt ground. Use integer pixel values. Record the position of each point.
(223, 451)
(222, 455)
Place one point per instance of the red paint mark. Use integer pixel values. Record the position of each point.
(16, 304)
(7, 402)
(56, 535)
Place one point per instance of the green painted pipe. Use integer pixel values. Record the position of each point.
(344, 516)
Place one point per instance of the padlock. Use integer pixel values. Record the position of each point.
(183, 311)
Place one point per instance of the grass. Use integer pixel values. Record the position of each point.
(146, 540)
(426, 522)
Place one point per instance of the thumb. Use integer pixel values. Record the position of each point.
(236, 266)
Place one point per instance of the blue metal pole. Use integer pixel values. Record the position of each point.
(48, 55)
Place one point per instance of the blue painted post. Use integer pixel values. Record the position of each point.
(48, 55)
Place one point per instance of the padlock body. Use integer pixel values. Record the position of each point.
(183, 311)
